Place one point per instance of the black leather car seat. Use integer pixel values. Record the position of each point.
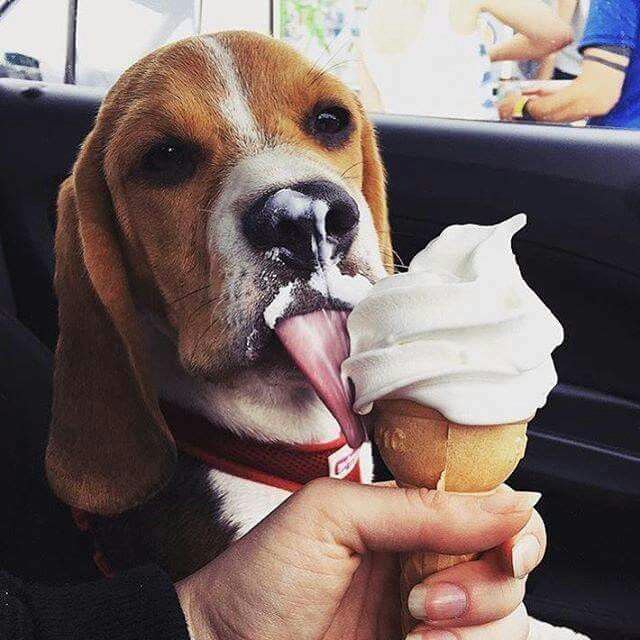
(41, 128)
(7, 303)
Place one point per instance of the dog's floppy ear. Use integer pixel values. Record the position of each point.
(375, 191)
(109, 446)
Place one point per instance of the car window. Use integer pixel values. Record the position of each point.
(381, 48)
(571, 62)
(109, 36)
(137, 26)
(33, 33)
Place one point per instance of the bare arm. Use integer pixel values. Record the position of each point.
(522, 48)
(594, 93)
(540, 30)
(547, 67)
(566, 9)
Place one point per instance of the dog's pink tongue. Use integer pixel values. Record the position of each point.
(318, 342)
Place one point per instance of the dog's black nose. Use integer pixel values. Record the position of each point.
(309, 223)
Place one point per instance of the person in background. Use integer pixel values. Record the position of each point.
(532, 69)
(427, 57)
(567, 63)
(607, 92)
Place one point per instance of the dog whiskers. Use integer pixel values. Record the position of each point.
(212, 324)
(399, 257)
(318, 74)
(212, 311)
(202, 306)
(329, 69)
(353, 166)
(398, 266)
(191, 293)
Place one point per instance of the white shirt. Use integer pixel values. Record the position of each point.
(569, 59)
(421, 66)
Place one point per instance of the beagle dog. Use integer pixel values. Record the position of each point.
(226, 198)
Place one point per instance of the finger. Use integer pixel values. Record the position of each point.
(386, 483)
(533, 91)
(362, 517)
(471, 593)
(521, 554)
(514, 627)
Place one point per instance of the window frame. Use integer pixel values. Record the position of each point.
(72, 43)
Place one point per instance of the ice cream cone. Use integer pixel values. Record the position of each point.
(424, 449)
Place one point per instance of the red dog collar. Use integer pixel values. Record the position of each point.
(279, 465)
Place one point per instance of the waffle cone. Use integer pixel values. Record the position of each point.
(424, 449)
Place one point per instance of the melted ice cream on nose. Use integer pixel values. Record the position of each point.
(299, 204)
(460, 332)
(326, 279)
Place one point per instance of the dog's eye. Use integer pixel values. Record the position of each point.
(331, 123)
(169, 162)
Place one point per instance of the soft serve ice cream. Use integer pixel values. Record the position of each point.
(460, 332)
(456, 356)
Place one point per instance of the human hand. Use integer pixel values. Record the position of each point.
(507, 104)
(323, 566)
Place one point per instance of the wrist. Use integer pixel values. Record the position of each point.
(183, 591)
(198, 622)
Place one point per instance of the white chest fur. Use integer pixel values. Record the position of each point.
(246, 503)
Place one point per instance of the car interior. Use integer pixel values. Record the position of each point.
(580, 189)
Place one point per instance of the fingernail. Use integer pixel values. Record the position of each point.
(510, 502)
(524, 555)
(441, 601)
(431, 635)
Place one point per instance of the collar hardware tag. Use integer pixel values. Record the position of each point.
(344, 460)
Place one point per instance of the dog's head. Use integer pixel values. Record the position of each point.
(224, 173)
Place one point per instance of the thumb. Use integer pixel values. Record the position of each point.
(374, 518)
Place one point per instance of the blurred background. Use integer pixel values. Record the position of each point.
(90, 42)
